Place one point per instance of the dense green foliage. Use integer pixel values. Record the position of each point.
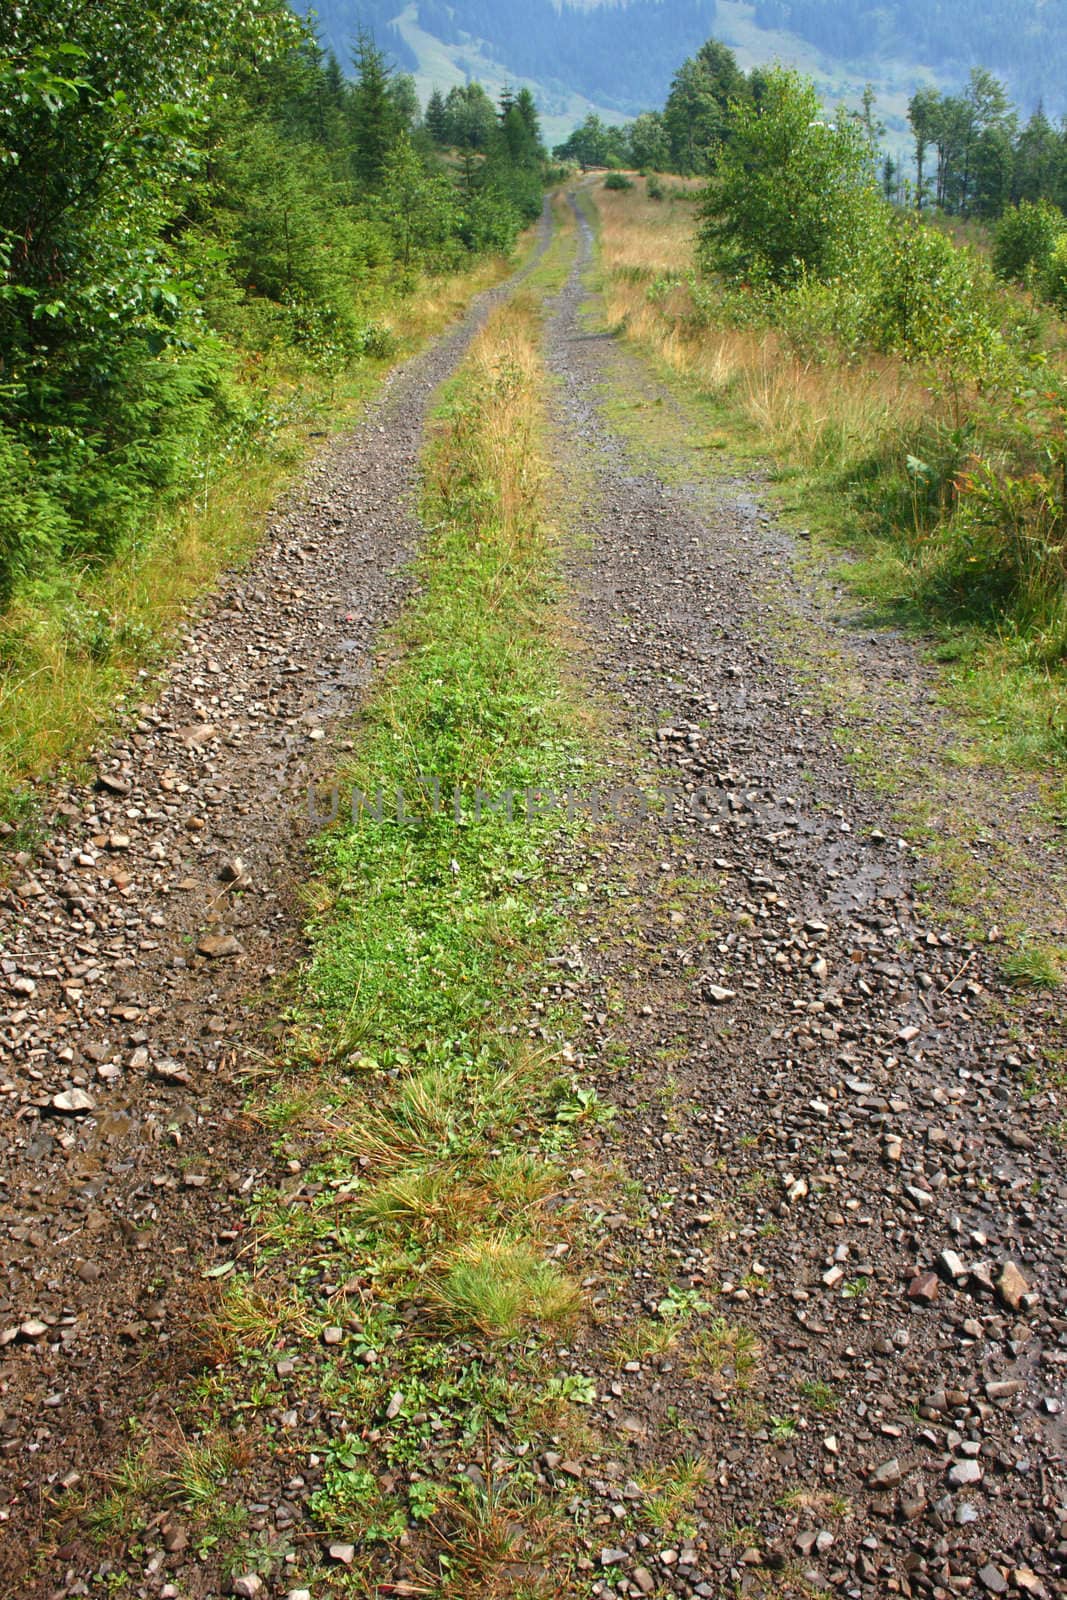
(789, 195)
(685, 136)
(1025, 244)
(973, 157)
(191, 195)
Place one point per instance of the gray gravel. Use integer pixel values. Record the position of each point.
(827, 1105)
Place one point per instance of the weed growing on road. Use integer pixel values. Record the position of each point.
(1034, 967)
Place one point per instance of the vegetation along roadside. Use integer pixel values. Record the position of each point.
(213, 244)
(927, 459)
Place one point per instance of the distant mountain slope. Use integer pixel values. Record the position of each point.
(1024, 41)
(618, 56)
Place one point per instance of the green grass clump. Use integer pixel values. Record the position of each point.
(1033, 967)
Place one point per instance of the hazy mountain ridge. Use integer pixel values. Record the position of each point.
(620, 55)
(1022, 41)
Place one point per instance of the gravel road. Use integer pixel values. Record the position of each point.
(823, 1097)
(141, 944)
(848, 1217)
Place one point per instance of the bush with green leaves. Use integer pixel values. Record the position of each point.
(618, 180)
(1052, 281)
(926, 297)
(791, 195)
(33, 525)
(1025, 239)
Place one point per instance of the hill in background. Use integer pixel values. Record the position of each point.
(618, 58)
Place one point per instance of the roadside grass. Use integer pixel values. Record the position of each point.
(79, 652)
(841, 434)
(406, 1288)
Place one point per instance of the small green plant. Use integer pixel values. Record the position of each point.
(1033, 967)
(618, 181)
(680, 1304)
(818, 1394)
(572, 1386)
(730, 1350)
(573, 1103)
(669, 1494)
(783, 1429)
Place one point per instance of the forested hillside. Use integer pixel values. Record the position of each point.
(620, 56)
(1023, 40)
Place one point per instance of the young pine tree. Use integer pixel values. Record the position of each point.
(374, 116)
(437, 118)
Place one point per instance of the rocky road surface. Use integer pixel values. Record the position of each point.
(828, 1104)
(141, 944)
(850, 1201)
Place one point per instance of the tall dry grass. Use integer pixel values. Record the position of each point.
(801, 409)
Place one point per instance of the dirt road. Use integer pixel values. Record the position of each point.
(830, 1320)
(144, 946)
(825, 1096)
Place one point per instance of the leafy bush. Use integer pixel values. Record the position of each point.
(791, 195)
(654, 188)
(925, 296)
(1053, 279)
(618, 180)
(33, 526)
(1025, 239)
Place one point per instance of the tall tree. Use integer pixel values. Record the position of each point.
(697, 112)
(649, 145)
(437, 117)
(791, 195)
(923, 108)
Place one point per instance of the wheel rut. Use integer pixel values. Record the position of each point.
(822, 1095)
(143, 943)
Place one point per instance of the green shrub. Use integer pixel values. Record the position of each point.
(925, 296)
(1052, 282)
(33, 526)
(654, 188)
(791, 195)
(1025, 239)
(618, 180)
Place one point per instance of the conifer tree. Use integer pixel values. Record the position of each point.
(437, 118)
(373, 113)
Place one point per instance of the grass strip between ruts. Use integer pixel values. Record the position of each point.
(408, 1283)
